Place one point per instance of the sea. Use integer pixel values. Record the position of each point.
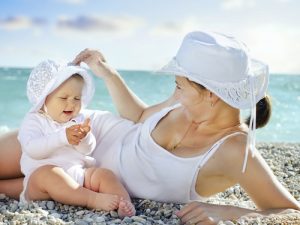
(152, 88)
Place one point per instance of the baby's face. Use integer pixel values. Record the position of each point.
(64, 103)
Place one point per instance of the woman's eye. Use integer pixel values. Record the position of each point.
(178, 87)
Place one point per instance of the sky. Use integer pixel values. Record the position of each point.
(145, 35)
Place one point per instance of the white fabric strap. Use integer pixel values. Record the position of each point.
(252, 124)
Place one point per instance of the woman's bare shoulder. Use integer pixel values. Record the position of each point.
(232, 153)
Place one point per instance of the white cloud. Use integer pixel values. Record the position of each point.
(96, 25)
(277, 45)
(284, 1)
(237, 4)
(169, 29)
(20, 22)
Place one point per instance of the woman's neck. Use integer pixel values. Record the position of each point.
(219, 117)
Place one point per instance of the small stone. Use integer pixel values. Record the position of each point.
(56, 215)
(114, 214)
(99, 219)
(138, 219)
(81, 222)
(50, 205)
(80, 213)
(228, 223)
(2, 196)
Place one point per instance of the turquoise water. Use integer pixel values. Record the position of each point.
(151, 88)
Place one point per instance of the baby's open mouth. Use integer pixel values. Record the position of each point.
(68, 112)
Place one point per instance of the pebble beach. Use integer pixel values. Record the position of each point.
(284, 160)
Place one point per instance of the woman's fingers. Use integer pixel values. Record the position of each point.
(187, 209)
(84, 55)
(81, 56)
(195, 213)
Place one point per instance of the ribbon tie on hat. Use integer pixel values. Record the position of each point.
(252, 124)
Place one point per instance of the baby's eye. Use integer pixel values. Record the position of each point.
(63, 98)
(77, 99)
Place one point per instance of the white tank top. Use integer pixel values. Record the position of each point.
(146, 169)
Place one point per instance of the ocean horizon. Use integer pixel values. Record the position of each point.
(153, 88)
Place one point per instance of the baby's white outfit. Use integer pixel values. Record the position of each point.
(44, 142)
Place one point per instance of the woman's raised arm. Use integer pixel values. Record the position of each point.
(127, 103)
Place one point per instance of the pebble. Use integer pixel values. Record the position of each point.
(50, 205)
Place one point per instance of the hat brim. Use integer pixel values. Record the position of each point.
(237, 93)
(63, 74)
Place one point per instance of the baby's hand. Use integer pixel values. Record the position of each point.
(77, 132)
(85, 127)
(73, 134)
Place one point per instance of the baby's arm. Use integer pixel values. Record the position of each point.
(35, 143)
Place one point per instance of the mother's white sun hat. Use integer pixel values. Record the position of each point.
(49, 75)
(223, 65)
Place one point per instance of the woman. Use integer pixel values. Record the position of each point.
(194, 149)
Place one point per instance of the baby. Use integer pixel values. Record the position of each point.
(56, 140)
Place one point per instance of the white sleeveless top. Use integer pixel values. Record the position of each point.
(146, 169)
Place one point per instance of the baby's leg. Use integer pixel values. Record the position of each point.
(104, 181)
(51, 182)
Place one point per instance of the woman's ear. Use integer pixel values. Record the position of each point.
(213, 99)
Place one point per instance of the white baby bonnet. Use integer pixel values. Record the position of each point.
(223, 65)
(48, 75)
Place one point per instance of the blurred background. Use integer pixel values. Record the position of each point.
(138, 37)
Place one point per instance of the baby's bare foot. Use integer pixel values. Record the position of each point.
(105, 202)
(126, 208)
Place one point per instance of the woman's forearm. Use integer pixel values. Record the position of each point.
(234, 213)
(216, 213)
(127, 103)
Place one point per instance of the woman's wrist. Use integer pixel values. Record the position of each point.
(111, 76)
(234, 213)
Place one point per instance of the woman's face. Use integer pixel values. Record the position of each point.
(186, 93)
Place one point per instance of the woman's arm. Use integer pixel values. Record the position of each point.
(205, 213)
(127, 103)
(258, 181)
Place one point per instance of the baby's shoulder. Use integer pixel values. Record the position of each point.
(33, 122)
(34, 118)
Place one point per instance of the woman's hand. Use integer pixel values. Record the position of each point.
(96, 62)
(199, 213)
